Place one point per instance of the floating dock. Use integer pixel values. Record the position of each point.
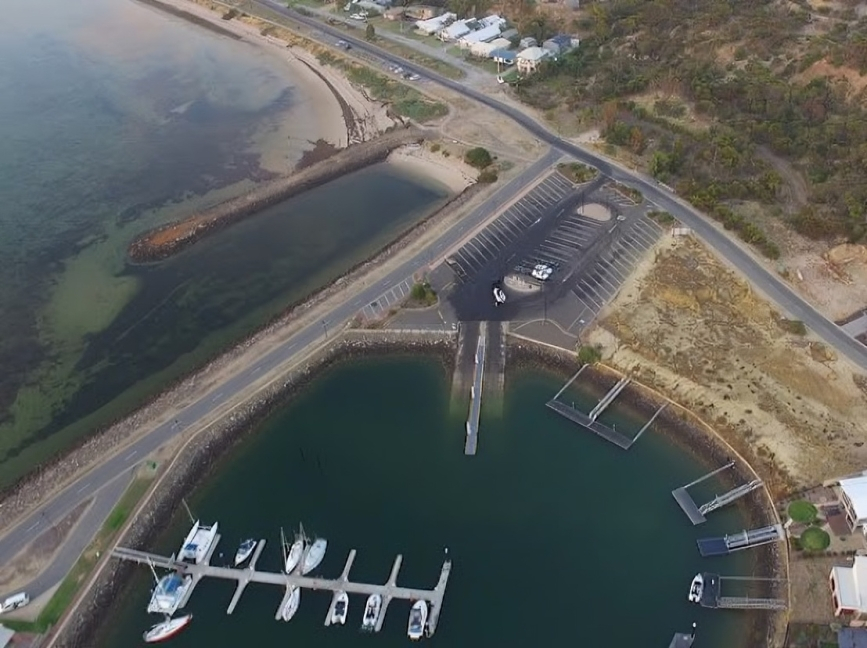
(683, 639)
(744, 540)
(389, 591)
(711, 596)
(476, 395)
(589, 421)
(696, 513)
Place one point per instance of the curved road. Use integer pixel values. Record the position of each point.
(119, 465)
(775, 289)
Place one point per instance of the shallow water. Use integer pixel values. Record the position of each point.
(556, 537)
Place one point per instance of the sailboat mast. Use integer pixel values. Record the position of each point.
(153, 571)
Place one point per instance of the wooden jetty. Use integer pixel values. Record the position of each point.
(244, 576)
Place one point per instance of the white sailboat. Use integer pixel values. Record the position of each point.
(371, 612)
(167, 629)
(314, 555)
(292, 603)
(341, 608)
(417, 620)
(291, 554)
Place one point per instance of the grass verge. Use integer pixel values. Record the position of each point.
(70, 586)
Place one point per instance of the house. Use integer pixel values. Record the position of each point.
(849, 589)
(509, 34)
(395, 13)
(504, 56)
(5, 636)
(484, 50)
(482, 35)
(431, 26)
(527, 41)
(529, 59)
(456, 30)
(853, 496)
(423, 12)
(493, 19)
(560, 44)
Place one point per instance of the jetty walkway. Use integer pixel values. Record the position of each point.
(389, 591)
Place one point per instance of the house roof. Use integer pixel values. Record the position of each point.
(456, 29)
(5, 636)
(856, 490)
(562, 40)
(504, 54)
(481, 35)
(532, 54)
(852, 585)
(852, 638)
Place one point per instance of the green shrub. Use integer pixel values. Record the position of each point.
(478, 157)
(802, 511)
(815, 539)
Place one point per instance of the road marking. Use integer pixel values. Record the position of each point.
(31, 527)
(130, 455)
(216, 396)
(82, 489)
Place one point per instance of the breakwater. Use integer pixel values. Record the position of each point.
(201, 455)
(167, 240)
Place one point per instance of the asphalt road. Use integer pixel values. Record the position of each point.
(766, 282)
(120, 464)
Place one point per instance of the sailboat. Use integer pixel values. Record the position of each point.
(167, 629)
(291, 554)
(292, 602)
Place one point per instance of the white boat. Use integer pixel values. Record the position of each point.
(293, 556)
(314, 555)
(696, 589)
(371, 612)
(245, 551)
(417, 620)
(291, 605)
(198, 543)
(341, 608)
(167, 629)
(499, 296)
(168, 594)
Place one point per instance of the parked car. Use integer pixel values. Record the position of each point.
(342, 44)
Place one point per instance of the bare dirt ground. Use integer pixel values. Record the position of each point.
(811, 601)
(36, 556)
(690, 327)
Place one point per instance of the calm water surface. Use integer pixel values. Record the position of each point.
(115, 117)
(556, 537)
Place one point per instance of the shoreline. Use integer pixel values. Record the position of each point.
(191, 467)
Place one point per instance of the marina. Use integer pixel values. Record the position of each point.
(589, 420)
(696, 513)
(193, 573)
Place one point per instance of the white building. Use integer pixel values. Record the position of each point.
(456, 30)
(853, 495)
(482, 35)
(485, 50)
(849, 590)
(530, 58)
(433, 25)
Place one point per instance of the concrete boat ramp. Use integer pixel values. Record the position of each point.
(389, 591)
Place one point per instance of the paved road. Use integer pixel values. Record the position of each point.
(765, 281)
(92, 483)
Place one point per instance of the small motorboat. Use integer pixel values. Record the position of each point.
(417, 620)
(245, 551)
(167, 629)
(371, 612)
(314, 555)
(341, 607)
(696, 589)
(291, 605)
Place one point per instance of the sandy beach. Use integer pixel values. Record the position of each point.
(450, 172)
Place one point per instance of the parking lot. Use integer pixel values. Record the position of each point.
(487, 248)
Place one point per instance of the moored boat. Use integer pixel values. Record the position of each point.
(314, 555)
(293, 556)
(371, 612)
(169, 593)
(417, 620)
(292, 603)
(198, 543)
(245, 551)
(696, 589)
(341, 608)
(167, 629)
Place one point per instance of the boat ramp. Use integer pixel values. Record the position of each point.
(589, 419)
(696, 513)
(389, 591)
(476, 395)
(737, 541)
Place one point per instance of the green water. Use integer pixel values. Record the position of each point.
(557, 538)
(116, 117)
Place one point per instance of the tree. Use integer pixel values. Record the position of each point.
(478, 157)
(370, 32)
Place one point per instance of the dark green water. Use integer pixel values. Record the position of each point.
(557, 538)
(116, 117)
